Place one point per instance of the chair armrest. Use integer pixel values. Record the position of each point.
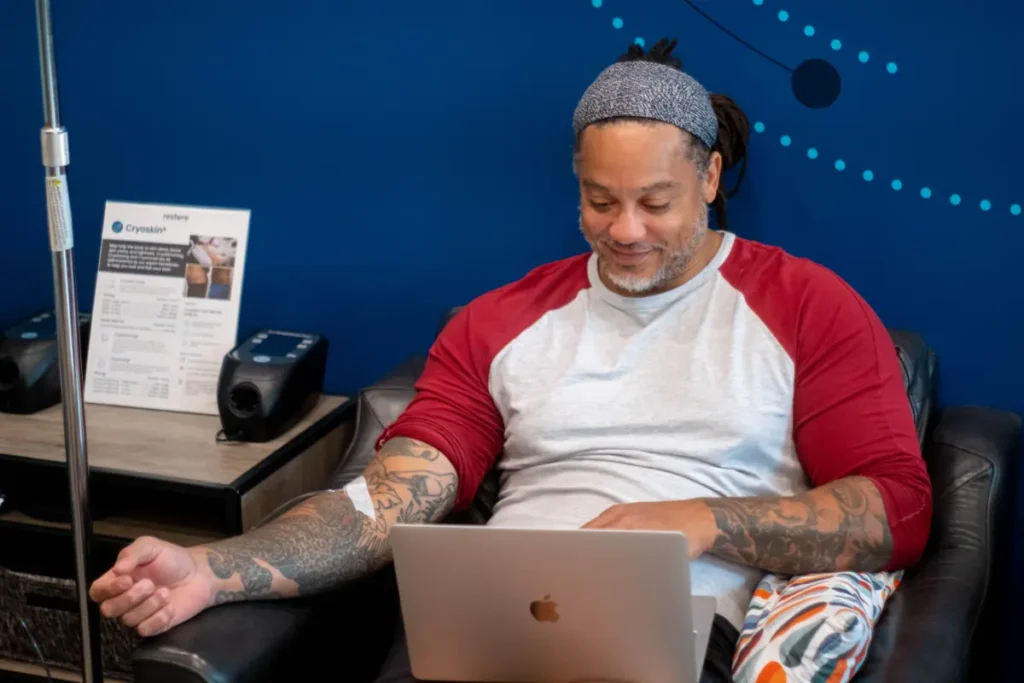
(926, 631)
(268, 641)
(235, 643)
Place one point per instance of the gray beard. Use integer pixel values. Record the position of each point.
(674, 265)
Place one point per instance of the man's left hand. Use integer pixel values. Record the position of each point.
(692, 517)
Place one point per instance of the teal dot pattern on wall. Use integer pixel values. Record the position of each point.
(816, 82)
(809, 30)
(786, 140)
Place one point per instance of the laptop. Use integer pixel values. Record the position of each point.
(501, 605)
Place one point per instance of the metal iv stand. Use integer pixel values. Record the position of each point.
(58, 208)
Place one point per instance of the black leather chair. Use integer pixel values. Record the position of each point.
(941, 625)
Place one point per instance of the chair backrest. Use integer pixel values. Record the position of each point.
(920, 371)
(382, 403)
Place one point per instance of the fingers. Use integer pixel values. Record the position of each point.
(118, 580)
(602, 521)
(147, 608)
(120, 604)
(152, 616)
(608, 519)
(110, 585)
(158, 623)
(142, 551)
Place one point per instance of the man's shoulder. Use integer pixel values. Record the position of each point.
(568, 275)
(542, 288)
(755, 267)
(500, 315)
(798, 298)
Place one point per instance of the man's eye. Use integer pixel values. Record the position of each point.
(656, 208)
(600, 206)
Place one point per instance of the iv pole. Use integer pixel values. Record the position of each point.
(55, 152)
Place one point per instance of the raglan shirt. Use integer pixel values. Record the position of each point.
(764, 375)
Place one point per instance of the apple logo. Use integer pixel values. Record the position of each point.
(545, 610)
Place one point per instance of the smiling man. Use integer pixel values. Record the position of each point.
(674, 377)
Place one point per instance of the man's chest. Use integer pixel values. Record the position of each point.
(708, 381)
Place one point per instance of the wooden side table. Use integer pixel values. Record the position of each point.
(151, 472)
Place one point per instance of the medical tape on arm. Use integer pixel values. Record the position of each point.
(359, 493)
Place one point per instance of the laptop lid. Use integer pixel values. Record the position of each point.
(492, 604)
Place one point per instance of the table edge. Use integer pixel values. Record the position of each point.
(293, 447)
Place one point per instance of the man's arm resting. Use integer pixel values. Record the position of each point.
(325, 541)
(839, 526)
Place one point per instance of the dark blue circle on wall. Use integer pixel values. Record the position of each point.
(816, 83)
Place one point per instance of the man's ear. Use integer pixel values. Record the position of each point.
(714, 176)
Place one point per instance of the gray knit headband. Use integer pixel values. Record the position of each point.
(652, 91)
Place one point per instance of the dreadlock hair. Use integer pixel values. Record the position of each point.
(733, 128)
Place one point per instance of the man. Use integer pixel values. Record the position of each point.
(675, 377)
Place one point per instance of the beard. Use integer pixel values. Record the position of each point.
(674, 263)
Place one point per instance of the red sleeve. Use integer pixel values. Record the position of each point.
(453, 410)
(851, 414)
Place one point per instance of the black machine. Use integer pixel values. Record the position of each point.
(29, 363)
(268, 382)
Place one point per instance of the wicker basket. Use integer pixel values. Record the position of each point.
(47, 608)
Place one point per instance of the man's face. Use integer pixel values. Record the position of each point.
(643, 203)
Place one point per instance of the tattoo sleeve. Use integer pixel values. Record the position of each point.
(840, 526)
(324, 541)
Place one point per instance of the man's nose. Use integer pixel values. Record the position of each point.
(627, 228)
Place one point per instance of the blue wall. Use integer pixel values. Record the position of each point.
(401, 157)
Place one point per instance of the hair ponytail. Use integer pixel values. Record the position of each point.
(733, 136)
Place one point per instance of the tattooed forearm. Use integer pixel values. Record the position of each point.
(324, 541)
(841, 526)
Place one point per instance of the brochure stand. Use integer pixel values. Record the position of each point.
(56, 159)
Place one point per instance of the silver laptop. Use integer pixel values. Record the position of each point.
(491, 605)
